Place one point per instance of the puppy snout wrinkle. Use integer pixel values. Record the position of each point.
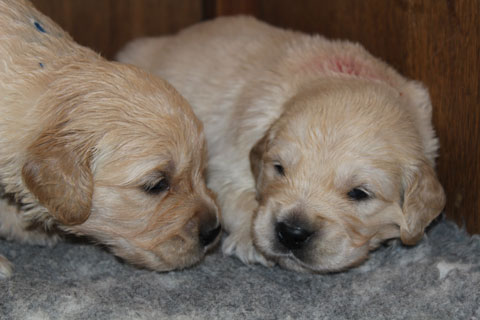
(292, 237)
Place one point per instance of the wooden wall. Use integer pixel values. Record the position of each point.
(435, 41)
(106, 25)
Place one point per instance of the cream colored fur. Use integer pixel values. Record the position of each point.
(296, 126)
(96, 148)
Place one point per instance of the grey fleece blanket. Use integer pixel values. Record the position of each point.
(437, 279)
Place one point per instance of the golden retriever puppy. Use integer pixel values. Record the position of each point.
(317, 150)
(96, 148)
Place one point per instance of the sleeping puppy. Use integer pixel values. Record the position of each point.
(317, 150)
(96, 148)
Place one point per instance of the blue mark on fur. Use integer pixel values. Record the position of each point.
(39, 27)
(40, 64)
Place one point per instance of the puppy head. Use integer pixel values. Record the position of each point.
(121, 158)
(341, 170)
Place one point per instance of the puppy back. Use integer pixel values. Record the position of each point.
(31, 42)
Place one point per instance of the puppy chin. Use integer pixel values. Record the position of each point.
(155, 259)
(178, 252)
(178, 249)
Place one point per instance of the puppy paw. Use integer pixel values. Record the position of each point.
(243, 249)
(6, 268)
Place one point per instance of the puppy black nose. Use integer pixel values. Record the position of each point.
(208, 234)
(291, 236)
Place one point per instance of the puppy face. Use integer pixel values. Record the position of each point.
(122, 161)
(340, 171)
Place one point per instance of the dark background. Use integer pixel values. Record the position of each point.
(434, 41)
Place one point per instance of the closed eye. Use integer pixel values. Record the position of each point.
(358, 194)
(158, 187)
(279, 169)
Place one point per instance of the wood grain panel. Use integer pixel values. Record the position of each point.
(434, 41)
(215, 8)
(444, 52)
(106, 25)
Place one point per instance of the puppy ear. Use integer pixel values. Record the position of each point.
(60, 177)
(256, 154)
(424, 199)
(421, 110)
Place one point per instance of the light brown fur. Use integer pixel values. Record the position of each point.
(314, 134)
(83, 139)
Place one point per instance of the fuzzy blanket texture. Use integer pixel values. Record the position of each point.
(437, 279)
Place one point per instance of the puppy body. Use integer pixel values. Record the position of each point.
(95, 148)
(341, 146)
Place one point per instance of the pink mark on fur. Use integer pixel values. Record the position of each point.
(347, 65)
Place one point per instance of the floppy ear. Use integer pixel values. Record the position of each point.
(60, 177)
(424, 199)
(256, 154)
